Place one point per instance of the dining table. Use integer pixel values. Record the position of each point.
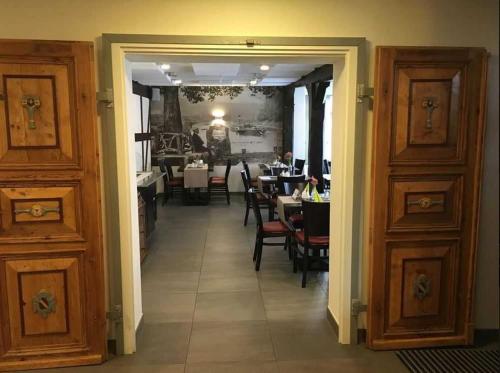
(195, 190)
(286, 204)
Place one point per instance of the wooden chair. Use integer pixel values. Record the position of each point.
(326, 166)
(314, 238)
(219, 184)
(276, 170)
(286, 186)
(171, 184)
(298, 166)
(266, 230)
(261, 200)
(253, 182)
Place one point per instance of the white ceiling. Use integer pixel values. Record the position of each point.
(279, 74)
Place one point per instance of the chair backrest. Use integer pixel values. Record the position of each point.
(299, 166)
(244, 178)
(276, 170)
(287, 183)
(161, 164)
(169, 170)
(247, 170)
(228, 170)
(256, 208)
(326, 166)
(316, 218)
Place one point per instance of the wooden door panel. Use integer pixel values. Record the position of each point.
(422, 287)
(427, 154)
(428, 123)
(38, 213)
(44, 304)
(51, 260)
(37, 114)
(424, 203)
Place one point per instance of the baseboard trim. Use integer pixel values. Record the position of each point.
(486, 336)
(332, 321)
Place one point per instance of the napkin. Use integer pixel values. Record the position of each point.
(315, 195)
(305, 192)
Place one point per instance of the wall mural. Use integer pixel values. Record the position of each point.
(217, 123)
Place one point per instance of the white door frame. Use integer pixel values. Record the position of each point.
(346, 227)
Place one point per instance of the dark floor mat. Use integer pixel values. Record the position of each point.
(451, 360)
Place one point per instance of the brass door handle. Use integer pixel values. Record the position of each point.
(31, 103)
(426, 202)
(37, 210)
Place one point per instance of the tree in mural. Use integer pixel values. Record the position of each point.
(199, 94)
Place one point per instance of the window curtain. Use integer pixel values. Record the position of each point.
(316, 118)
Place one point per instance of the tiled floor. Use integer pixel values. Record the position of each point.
(207, 311)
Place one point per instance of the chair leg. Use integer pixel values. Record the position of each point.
(271, 212)
(289, 247)
(227, 195)
(259, 253)
(305, 266)
(246, 214)
(294, 249)
(256, 248)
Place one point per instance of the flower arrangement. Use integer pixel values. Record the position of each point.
(288, 157)
(314, 181)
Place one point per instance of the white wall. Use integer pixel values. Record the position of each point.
(383, 22)
(134, 115)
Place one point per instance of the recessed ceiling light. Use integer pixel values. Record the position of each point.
(177, 81)
(264, 67)
(165, 66)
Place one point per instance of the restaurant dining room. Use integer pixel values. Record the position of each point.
(233, 166)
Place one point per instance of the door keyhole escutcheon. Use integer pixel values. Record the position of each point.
(31, 103)
(421, 286)
(44, 303)
(429, 104)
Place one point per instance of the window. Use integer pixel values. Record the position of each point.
(300, 123)
(327, 124)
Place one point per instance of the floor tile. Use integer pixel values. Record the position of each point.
(220, 282)
(162, 343)
(303, 340)
(165, 307)
(252, 367)
(229, 306)
(295, 304)
(170, 282)
(230, 342)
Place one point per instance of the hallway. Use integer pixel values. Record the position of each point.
(207, 310)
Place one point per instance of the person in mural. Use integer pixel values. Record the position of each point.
(197, 141)
(218, 142)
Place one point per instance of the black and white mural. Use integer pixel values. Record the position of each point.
(217, 123)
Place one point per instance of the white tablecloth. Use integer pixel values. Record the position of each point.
(196, 177)
(286, 202)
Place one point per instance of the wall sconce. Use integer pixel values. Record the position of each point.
(218, 114)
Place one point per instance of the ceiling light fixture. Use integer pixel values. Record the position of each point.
(253, 81)
(264, 67)
(165, 66)
(177, 81)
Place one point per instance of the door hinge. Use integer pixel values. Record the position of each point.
(116, 313)
(106, 97)
(357, 307)
(250, 43)
(364, 92)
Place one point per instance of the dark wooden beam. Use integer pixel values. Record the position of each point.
(141, 89)
(143, 136)
(320, 74)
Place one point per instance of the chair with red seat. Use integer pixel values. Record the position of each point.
(261, 200)
(266, 230)
(171, 184)
(219, 184)
(314, 238)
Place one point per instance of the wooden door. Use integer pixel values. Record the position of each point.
(51, 262)
(426, 178)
